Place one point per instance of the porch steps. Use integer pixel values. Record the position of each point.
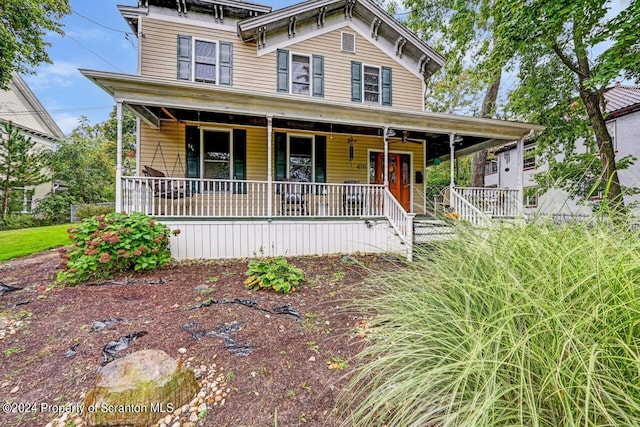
(427, 230)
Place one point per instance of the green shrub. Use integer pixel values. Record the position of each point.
(56, 208)
(87, 211)
(112, 243)
(532, 326)
(17, 221)
(274, 274)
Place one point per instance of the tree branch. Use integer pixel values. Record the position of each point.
(566, 61)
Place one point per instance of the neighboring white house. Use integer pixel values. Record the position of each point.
(623, 122)
(20, 106)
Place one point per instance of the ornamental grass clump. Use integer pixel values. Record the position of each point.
(107, 244)
(530, 326)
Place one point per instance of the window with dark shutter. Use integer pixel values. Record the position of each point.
(240, 159)
(184, 57)
(226, 63)
(283, 70)
(321, 158)
(356, 81)
(280, 156)
(318, 76)
(386, 86)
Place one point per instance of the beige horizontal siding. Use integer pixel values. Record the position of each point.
(172, 159)
(252, 72)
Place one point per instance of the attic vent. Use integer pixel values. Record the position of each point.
(348, 42)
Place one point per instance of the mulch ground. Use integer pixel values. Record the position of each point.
(294, 373)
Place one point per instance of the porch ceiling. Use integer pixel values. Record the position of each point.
(152, 99)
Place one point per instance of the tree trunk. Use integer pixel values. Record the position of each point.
(605, 147)
(488, 105)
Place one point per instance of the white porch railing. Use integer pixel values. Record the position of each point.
(459, 205)
(494, 202)
(400, 220)
(208, 198)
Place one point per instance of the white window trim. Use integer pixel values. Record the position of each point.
(203, 129)
(379, 67)
(313, 153)
(526, 199)
(525, 150)
(291, 74)
(193, 59)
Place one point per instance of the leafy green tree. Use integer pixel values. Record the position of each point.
(21, 163)
(567, 53)
(463, 31)
(23, 25)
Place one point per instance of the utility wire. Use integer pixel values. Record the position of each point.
(94, 53)
(99, 24)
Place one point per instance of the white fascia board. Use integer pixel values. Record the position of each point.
(283, 41)
(194, 19)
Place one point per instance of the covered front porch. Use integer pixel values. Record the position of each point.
(300, 175)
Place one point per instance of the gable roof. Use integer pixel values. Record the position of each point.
(380, 22)
(20, 106)
(622, 100)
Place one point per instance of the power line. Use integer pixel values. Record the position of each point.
(94, 53)
(99, 24)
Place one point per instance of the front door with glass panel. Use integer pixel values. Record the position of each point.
(399, 175)
(301, 159)
(216, 157)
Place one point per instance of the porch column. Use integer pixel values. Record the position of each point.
(385, 172)
(119, 157)
(452, 155)
(269, 167)
(519, 163)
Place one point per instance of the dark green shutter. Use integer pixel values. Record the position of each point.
(318, 76)
(356, 81)
(283, 70)
(184, 57)
(240, 159)
(321, 158)
(280, 156)
(226, 63)
(386, 86)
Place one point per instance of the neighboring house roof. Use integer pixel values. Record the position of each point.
(622, 100)
(20, 106)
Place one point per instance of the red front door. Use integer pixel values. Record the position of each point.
(399, 176)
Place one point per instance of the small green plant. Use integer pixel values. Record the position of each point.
(213, 279)
(11, 351)
(338, 275)
(274, 274)
(337, 363)
(302, 418)
(230, 375)
(313, 346)
(263, 370)
(202, 414)
(116, 242)
(291, 394)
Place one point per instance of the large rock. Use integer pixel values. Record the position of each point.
(139, 389)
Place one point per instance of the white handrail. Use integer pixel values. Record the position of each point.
(401, 221)
(495, 202)
(467, 211)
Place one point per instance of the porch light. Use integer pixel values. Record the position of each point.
(389, 132)
(351, 141)
(457, 139)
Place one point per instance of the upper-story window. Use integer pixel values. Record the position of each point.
(205, 61)
(300, 74)
(529, 157)
(370, 84)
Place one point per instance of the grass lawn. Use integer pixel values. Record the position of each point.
(15, 243)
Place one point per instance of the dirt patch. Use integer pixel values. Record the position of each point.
(293, 371)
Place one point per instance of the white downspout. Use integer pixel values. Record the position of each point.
(452, 155)
(119, 157)
(269, 167)
(385, 172)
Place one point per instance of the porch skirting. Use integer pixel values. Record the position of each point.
(215, 239)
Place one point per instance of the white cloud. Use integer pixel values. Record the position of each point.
(66, 122)
(58, 74)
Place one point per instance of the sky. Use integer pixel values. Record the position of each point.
(97, 38)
